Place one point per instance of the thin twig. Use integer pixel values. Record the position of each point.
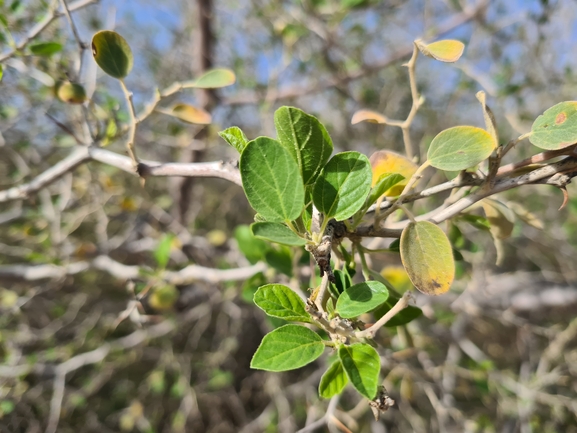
(399, 306)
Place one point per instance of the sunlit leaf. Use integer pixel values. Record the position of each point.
(162, 251)
(362, 364)
(45, 48)
(368, 116)
(460, 147)
(163, 297)
(305, 138)
(276, 232)
(287, 348)
(271, 180)
(343, 185)
(235, 137)
(333, 381)
(361, 298)
(213, 79)
(112, 53)
(448, 50)
(253, 249)
(427, 256)
(280, 301)
(385, 161)
(556, 128)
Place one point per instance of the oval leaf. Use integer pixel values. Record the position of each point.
(287, 348)
(45, 48)
(361, 298)
(427, 256)
(278, 233)
(305, 138)
(362, 364)
(385, 161)
(333, 381)
(448, 50)
(235, 137)
(112, 53)
(368, 116)
(71, 93)
(213, 79)
(343, 185)
(271, 180)
(556, 128)
(189, 114)
(280, 301)
(460, 147)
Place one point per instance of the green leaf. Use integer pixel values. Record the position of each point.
(406, 315)
(333, 381)
(305, 138)
(361, 298)
(45, 48)
(556, 128)
(427, 256)
(276, 232)
(343, 185)
(280, 301)
(342, 282)
(235, 137)
(112, 53)
(162, 251)
(287, 348)
(213, 79)
(250, 286)
(280, 259)
(271, 180)
(362, 364)
(460, 147)
(1, 72)
(385, 182)
(72, 93)
(253, 249)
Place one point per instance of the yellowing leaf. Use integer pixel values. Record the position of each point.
(427, 256)
(164, 297)
(368, 116)
(385, 161)
(189, 114)
(501, 218)
(398, 277)
(460, 147)
(490, 122)
(448, 50)
(71, 93)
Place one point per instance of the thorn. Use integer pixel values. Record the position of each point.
(565, 197)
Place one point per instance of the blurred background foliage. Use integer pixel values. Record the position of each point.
(81, 261)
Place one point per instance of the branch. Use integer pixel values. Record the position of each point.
(80, 155)
(457, 20)
(35, 31)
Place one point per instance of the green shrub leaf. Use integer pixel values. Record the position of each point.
(556, 128)
(385, 182)
(213, 79)
(112, 53)
(460, 147)
(45, 48)
(343, 185)
(253, 249)
(271, 180)
(305, 138)
(333, 381)
(427, 256)
(162, 251)
(287, 348)
(276, 232)
(280, 301)
(362, 364)
(235, 137)
(361, 298)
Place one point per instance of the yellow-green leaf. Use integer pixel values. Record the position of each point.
(385, 161)
(71, 93)
(501, 218)
(213, 79)
(190, 114)
(427, 256)
(368, 116)
(112, 53)
(460, 147)
(490, 122)
(448, 50)
(556, 128)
